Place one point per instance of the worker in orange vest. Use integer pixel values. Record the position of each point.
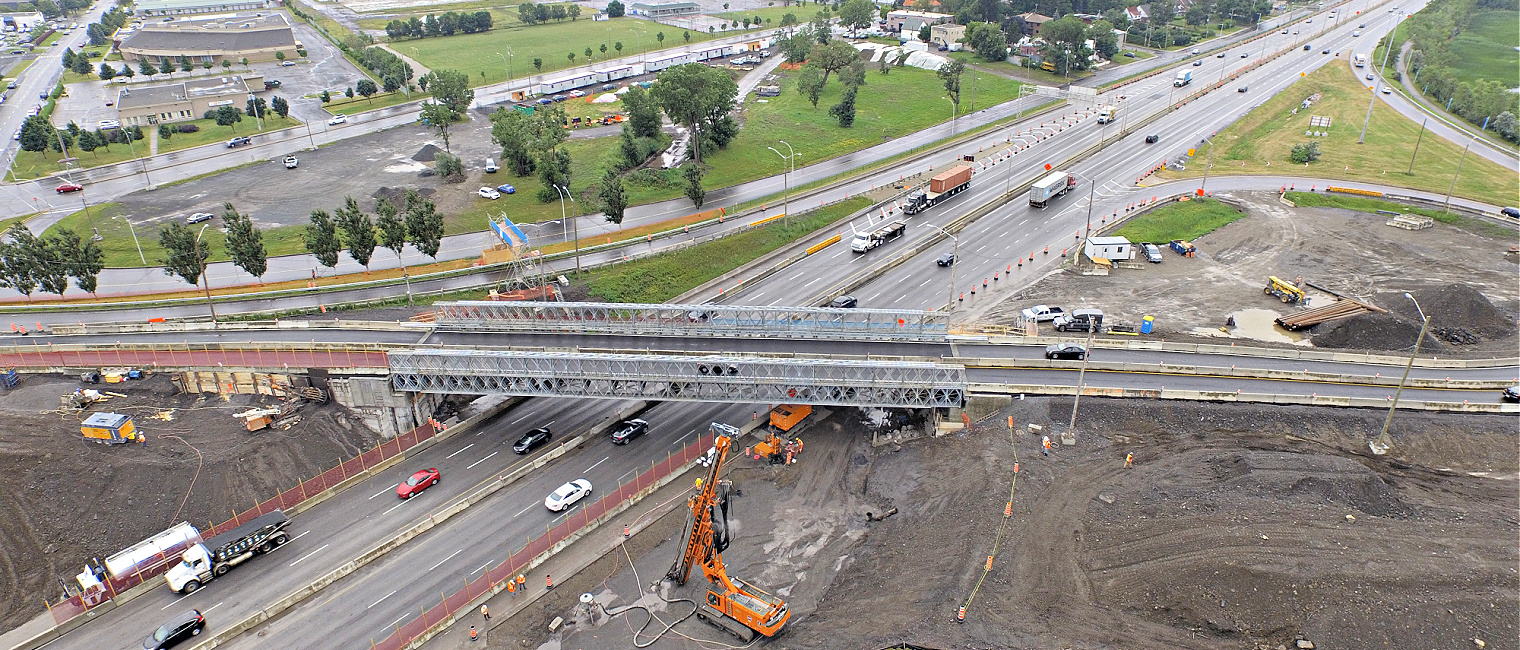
(511, 586)
(485, 612)
(522, 583)
(1129, 460)
(1045, 442)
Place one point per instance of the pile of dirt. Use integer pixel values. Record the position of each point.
(1372, 331)
(397, 195)
(1458, 313)
(70, 500)
(428, 153)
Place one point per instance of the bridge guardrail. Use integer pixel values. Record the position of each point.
(1259, 398)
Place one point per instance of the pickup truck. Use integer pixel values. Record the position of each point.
(1042, 313)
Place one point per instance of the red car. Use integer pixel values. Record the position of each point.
(68, 187)
(419, 481)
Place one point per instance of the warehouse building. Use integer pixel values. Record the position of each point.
(233, 38)
(187, 7)
(183, 101)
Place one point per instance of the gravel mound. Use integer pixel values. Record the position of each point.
(428, 153)
(1372, 332)
(1458, 313)
(397, 195)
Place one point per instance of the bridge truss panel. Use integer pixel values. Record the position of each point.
(681, 378)
(727, 321)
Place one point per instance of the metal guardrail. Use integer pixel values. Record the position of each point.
(703, 320)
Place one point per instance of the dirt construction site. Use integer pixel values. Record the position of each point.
(1462, 275)
(1233, 529)
(69, 500)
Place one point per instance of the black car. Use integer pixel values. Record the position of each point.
(629, 430)
(1198, 63)
(1152, 138)
(1512, 394)
(178, 629)
(1072, 351)
(1243, 89)
(844, 302)
(946, 260)
(531, 439)
(1510, 212)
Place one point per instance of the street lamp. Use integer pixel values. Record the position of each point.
(564, 193)
(953, 115)
(786, 179)
(1208, 165)
(955, 256)
(1382, 443)
(134, 239)
(205, 283)
(508, 62)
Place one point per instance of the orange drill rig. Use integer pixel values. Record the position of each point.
(732, 604)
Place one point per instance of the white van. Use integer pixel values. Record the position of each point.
(491, 166)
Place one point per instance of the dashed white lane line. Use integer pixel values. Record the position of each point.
(588, 469)
(472, 465)
(459, 452)
(303, 557)
(450, 557)
(403, 502)
(384, 491)
(519, 512)
(382, 599)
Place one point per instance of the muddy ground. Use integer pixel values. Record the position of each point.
(68, 500)
(1233, 530)
(1347, 252)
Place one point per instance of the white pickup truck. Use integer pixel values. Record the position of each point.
(1042, 313)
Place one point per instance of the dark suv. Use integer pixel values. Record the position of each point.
(178, 629)
(629, 430)
(531, 439)
(844, 302)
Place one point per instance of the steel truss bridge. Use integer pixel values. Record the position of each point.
(698, 378)
(706, 320)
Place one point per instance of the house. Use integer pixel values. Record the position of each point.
(897, 20)
(1138, 14)
(1109, 248)
(947, 34)
(1030, 23)
(229, 38)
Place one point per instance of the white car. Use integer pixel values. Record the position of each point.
(568, 494)
(577, 93)
(199, 217)
(287, 64)
(489, 193)
(110, 124)
(338, 119)
(1387, 90)
(291, 162)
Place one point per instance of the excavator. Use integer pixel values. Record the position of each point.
(732, 604)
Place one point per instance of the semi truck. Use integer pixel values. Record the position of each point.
(201, 563)
(878, 235)
(1107, 113)
(944, 185)
(1183, 78)
(1053, 185)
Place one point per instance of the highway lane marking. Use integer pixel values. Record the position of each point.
(517, 420)
(681, 439)
(212, 607)
(382, 599)
(625, 475)
(450, 557)
(482, 568)
(396, 622)
(459, 452)
(472, 465)
(385, 490)
(519, 512)
(171, 604)
(298, 536)
(303, 557)
(403, 502)
(588, 469)
(815, 281)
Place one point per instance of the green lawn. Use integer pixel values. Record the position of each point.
(1267, 134)
(20, 68)
(665, 276)
(342, 104)
(35, 164)
(804, 14)
(1486, 49)
(1140, 55)
(1188, 219)
(1372, 205)
(477, 53)
(121, 252)
(970, 58)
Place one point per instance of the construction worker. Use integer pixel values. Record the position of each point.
(522, 583)
(1045, 442)
(485, 612)
(1129, 460)
(511, 587)
(699, 484)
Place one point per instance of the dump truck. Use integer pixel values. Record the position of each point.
(1053, 185)
(1183, 78)
(213, 558)
(1107, 113)
(944, 185)
(879, 235)
(786, 416)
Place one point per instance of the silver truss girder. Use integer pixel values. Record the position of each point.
(680, 378)
(693, 320)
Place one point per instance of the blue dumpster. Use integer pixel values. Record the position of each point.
(1146, 324)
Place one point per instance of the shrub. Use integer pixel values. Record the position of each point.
(187, 128)
(1305, 152)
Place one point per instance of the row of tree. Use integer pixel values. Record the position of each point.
(1483, 101)
(446, 24)
(51, 9)
(100, 32)
(533, 14)
(29, 262)
(38, 134)
(416, 222)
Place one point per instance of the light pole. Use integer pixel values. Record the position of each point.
(134, 239)
(205, 283)
(953, 115)
(1208, 165)
(1381, 444)
(786, 179)
(1459, 172)
(955, 255)
(508, 62)
(564, 193)
(1383, 69)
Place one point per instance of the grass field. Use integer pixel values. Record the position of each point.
(774, 14)
(1486, 49)
(36, 164)
(120, 251)
(1186, 219)
(1267, 134)
(342, 104)
(1140, 55)
(971, 59)
(477, 53)
(665, 276)
(1372, 205)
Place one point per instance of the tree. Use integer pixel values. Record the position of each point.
(167, 67)
(321, 239)
(553, 170)
(686, 35)
(693, 94)
(87, 261)
(788, 19)
(390, 228)
(358, 231)
(449, 167)
(348, 92)
(854, 75)
(1305, 152)
(81, 65)
(126, 71)
(366, 88)
(1197, 14)
(844, 111)
(36, 133)
(857, 14)
(187, 67)
(450, 88)
(573, 11)
(228, 116)
(988, 40)
(618, 47)
(54, 254)
(106, 72)
(614, 197)
(68, 58)
(1161, 14)
(794, 48)
(279, 56)
(538, 64)
(524, 138)
(571, 57)
(643, 113)
(588, 54)
(424, 226)
(950, 76)
(187, 254)
(88, 142)
(19, 264)
(245, 244)
(226, 64)
(438, 117)
(244, 61)
(325, 97)
(615, 9)
(603, 49)
(924, 34)
(693, 176)
(1103, 38)
(810, 83)
(256, 107)
(660, 37)
(557, 12)
(279, 106)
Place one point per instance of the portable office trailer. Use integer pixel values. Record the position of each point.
(551, 85)
(713, 52)
(617, 72)
(668, 61)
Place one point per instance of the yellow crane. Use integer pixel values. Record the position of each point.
(732, 604)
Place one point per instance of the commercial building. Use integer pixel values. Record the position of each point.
(255, 37)
(183, 101)
(663, 9)
(897, 20)
(947, 34)
(186, 7)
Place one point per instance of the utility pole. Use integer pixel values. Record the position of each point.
(1459, 172)
(1382, 443)
(205, 283)
(1069, 436)
(1417, 147)
(786, 179)
(564, 193)
(1366, 121)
